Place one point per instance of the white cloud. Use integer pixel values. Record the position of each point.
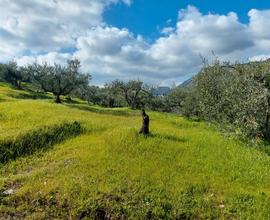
(109, 52)
(259, 23)
(128, 2)
(167, 30)
(117, 53)
(45, 26)
(50, 58)
(260, 57)
(260, 28)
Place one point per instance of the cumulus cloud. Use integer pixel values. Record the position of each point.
(117, 53)
(260, 27)
(45, 26)
(109, 52)
(167, 30)
(259, 23)
(260, 57)
(50, 58)
(220, 33)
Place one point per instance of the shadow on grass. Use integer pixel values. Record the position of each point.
(264, 147)
(2, 99)
(69, 100)
(167, 137)
(113, 112)
(43, 138)
(30, 96)
(188, 124)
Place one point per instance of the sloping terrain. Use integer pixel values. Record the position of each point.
(183, 170)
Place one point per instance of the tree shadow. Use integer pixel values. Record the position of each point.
(30, 96)
(167, 137)
(40, 139)
(104, 111)
(69, 100)
(184, 125)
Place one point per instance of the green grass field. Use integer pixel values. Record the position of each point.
(183, 170)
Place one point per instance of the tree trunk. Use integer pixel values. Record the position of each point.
(19, 84)
(133, 104)
(127, 99)
(267, 120)
(57, 98)
(111, 102)
(134, 101)
(145, 124)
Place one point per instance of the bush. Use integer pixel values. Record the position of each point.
(233, 95)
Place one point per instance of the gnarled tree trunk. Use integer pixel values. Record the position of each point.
(145, 124)
(57, 98)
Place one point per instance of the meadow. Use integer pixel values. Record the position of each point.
(77, 161)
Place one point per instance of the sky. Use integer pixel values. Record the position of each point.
(158, 41)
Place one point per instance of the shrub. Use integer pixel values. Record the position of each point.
(231, 94)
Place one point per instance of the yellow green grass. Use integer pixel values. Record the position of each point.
(183, 170)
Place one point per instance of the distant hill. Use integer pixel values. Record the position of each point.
(187, 83)
(162, 91)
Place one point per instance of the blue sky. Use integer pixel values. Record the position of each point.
(158, 41)
(146, 16)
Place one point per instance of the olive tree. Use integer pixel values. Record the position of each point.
(132, 91)
(57, 79)
(12, 74)
(230, 94)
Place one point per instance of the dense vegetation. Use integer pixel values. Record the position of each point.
(183, 170)
(236, 96)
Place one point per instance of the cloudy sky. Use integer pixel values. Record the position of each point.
(159, 41)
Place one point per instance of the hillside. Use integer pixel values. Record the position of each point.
(75, 161)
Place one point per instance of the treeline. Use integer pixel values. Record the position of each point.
(234, 95)
(57, 79)
(68, 80)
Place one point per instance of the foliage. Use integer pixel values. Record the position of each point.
(132, 91)
(57, 79)
(184, 100)
(160, 103)
(231, 94)
(12, 74)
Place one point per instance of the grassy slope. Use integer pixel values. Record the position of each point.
(183, 170)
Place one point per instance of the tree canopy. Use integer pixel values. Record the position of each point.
(58, 79)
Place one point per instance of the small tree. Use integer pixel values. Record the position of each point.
(91, 94)
(57, 79)
(12, 74)
(130, 90)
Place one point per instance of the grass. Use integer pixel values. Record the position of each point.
(183, 170)
(37, 140)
